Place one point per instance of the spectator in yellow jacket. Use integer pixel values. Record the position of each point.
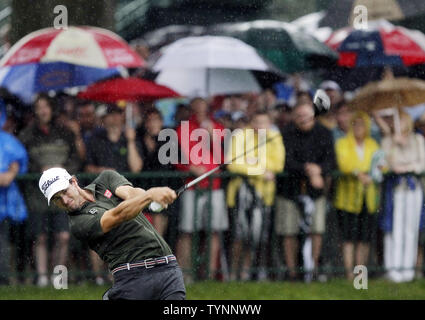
(356, 195)
(251, 196)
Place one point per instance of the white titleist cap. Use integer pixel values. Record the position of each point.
(52, 181)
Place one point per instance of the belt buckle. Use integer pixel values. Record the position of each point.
(146, 260)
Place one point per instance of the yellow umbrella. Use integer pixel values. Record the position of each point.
(389, 93)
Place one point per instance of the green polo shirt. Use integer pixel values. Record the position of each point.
(131, 241)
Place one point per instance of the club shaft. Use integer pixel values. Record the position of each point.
(207, 174)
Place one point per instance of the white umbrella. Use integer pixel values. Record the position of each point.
(209, 65)
(210, 52)
(204, 82)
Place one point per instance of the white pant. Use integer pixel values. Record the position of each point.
(195, 215)
(401, 245)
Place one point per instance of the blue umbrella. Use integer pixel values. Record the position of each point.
(26, 80)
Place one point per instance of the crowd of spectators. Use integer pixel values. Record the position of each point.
(266, 219)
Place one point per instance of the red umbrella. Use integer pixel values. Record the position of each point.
(129, 89)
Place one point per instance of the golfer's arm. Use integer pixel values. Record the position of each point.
(126, 210)
(126, 192)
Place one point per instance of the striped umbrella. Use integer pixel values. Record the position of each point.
(383, 44)
(54, 59)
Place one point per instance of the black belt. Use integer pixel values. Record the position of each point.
(147, 263)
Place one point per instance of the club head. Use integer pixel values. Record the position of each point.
(321, 101)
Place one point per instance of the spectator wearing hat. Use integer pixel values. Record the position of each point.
(114, 147)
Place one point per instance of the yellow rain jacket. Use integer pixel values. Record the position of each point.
(270, 156)
(350, 192)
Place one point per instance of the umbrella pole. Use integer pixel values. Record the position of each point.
(397, 127)
(129, 115)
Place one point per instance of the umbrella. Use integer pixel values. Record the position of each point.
(129, 89)
(211, 65)
(210, 52)
(209, 82)
(27, 80)
(381, 45)
(86, 46)
(288, 48)
(54, 59)
(389, 96)
(389, 93)
(341, 13)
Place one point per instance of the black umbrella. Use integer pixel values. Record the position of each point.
(342, 12)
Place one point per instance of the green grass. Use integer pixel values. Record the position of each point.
(336, 289)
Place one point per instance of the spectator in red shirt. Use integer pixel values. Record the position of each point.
(201, 210)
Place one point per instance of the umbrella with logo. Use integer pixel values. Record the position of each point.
(383, 44)
(288, 48)
(128, 89)
(343, 13)
(211, 65)
(54, 59)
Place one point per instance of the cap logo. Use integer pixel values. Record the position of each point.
(108, 194)
(48, 183)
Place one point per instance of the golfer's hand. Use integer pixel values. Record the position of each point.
(163, 195)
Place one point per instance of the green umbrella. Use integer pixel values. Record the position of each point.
(281, 43)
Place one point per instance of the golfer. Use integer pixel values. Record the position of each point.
(107, 216)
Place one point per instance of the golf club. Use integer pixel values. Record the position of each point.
(320, 100)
